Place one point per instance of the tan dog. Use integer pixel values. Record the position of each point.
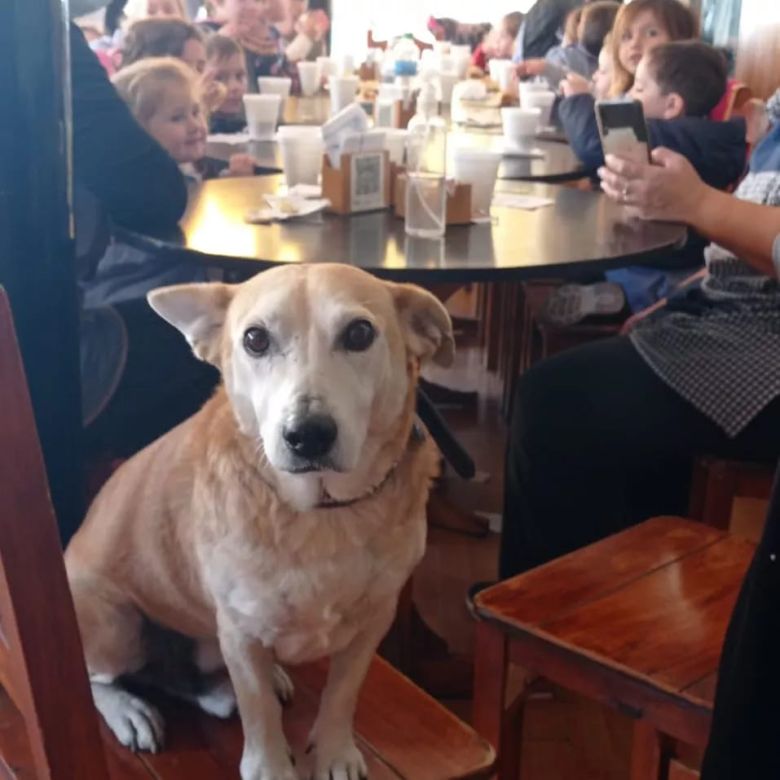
(277, 524)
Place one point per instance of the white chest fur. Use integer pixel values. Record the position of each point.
(309, 591)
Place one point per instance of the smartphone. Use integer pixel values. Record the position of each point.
(623, 129)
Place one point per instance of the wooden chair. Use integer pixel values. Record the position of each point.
(635, 621)
(717, 483)
(49, 729)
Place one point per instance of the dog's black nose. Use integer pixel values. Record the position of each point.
(311, 437)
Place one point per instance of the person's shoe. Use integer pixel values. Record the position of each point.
(572, 303)
(471, 594)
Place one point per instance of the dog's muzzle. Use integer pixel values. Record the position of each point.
(310, 440)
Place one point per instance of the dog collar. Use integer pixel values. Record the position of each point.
(416, 436)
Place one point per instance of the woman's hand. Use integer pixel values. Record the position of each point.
(574, 84)
(241, 165)
(669, 189)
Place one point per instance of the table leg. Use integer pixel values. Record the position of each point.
(649, 754)
(491, 662)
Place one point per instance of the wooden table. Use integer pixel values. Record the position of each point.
(635, 621)
(581, 232)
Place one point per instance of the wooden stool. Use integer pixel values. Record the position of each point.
(635, 621)
(49, 729)
(717, 482)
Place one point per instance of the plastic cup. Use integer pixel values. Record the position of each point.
(496, 66)
(479, 168)
(309, 74)
(395, 143)
(301, 148)
(327, 67)
(275, 85)
(342, 92)
(262, 115)
(541, 99)
(520, 126)
(447, 82)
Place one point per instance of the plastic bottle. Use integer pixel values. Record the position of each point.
(426, 155)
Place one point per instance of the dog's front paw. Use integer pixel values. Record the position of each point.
(338, 760)
(257, 765)
(136, 724)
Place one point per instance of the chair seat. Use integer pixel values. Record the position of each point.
(402, 732)
(636, 620)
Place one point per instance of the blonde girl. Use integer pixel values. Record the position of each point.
(640, 26)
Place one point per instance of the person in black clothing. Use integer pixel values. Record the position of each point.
(745, 722)
(139, 378)
(542, 27)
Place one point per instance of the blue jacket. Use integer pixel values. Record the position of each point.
(717, 150)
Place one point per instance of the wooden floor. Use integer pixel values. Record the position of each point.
(565, 737)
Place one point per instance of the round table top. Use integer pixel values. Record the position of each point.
(581, 231)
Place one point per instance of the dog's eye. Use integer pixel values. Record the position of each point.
(358, 336)
(257, 341)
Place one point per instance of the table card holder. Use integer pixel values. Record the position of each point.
(361, 183)
(458, 201)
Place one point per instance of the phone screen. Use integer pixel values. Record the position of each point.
(623, 130)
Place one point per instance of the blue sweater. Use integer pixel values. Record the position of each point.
(717, 150)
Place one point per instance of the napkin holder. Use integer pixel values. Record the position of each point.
(458, 201)
(361, 183)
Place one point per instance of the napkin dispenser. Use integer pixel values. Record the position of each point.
(360, 183)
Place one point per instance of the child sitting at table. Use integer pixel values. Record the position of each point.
(226, 66)
(149, 9)
(678, 84)
(249, 24)
(601, 83)
(638, 27)
(163, 96)
(581, 56)
(498, 42)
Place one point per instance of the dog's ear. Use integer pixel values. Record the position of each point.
(426, 323)
(198, 311)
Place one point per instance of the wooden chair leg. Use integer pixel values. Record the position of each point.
(491, 662)
(649, 753)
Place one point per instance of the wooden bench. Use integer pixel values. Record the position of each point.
(635, 621)
(49, 729)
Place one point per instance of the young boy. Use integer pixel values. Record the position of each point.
(678, 85)
(226, 66)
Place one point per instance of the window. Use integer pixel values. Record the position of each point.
(387, 18)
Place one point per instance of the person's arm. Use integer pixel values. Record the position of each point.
(136, 181)
(671, 190)
(578, 119)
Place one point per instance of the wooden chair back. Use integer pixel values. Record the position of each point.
(41, 662)
(373, 43)
(716, 483)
